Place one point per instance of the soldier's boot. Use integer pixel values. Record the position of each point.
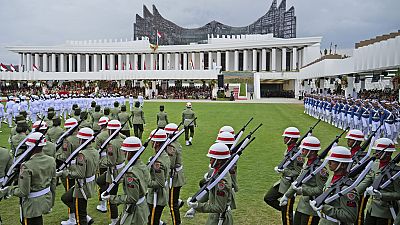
(89, 220)
(181, 203)
(71, 220)
(187, 143)
(113, 221)
(102, 207)
(190, 140)
(162, 223)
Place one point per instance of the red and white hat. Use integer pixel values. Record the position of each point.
(131, 144)
(384, 144)
(291, 132)
(225, 138)
(311, 143)
(113, 125)
(227, 129)
(219, 151)
(340, 154)
(43, 125)
(71, 122)
(34, 137)
(171, 128)
(356, 135)
(160, 136)
(85, 133)
(103, 120)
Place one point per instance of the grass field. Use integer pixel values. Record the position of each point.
(255, 168)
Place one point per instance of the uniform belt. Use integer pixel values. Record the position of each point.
(288, 178)
(103, 154)
(39, 193)
(389, 121)
(119, 166)
(90, 179)
(73, 162)
(141, 200)
(365, 116)
(178, 168)
(376, 119)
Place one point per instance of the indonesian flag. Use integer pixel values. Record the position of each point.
(13, 68)
(34, 67)
(3, 67)
(159, 34)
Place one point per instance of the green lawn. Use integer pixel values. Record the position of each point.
(255, 172)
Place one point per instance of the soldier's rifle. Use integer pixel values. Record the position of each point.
(67, 133)
(130, 163)
(387, 175)
(367, 143)
(338, 189)
(224, 169)
(292, 155)
(307, 175)
(112, 136)
(240, 133)
(75, 153)
(169, 140)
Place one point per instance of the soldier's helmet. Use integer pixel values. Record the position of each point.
(189, 105)
(93, 104)
(103, 120)
(85, 133)
(225, 138)
(171, 128)
(131, 144)
(70, 122)
(310, 143)
(291, 132)
(340, 154)
(34, 137)
(97, 108)
(43, 125)
(158, 136)
(356, 135)
(113, 125)
(227, 129)
(219, 151)
(384, 144)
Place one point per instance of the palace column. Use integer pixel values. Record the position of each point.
(53, 63)
(283, 59)
(160, 61)
(168, 61)
(112, 62)
(264, 59)
(236, 65)
(185, 61)
(70, 63)
(135, 65)
(37, 63)
(245, 60)
(87, 63)
(218, 59)
(193, 67)
(201, 60)
(273, 60)
(103, 62)
(95, 63)
(210, 61)
(177, 67)
(143, 59)
(45, 62)
(227, 60)
(119, 62)
(21, 62)
(79, 63)
(294, 63)
(62, 62)
(254, 59)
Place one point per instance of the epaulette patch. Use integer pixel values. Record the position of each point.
(351, 196)
(221, 185)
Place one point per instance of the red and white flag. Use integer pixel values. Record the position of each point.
(35, 68)
(159, 34)
(3, 67)
(13, 68)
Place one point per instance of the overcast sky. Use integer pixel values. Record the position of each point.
(50, 22)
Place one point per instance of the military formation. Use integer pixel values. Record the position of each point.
(86, 146)
(333, 186)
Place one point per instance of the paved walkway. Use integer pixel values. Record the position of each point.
(262, 100)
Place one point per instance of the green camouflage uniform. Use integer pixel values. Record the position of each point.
(162, 119)
(218, 201)
(85, 123)
(135, 188)
(114, 113)
(188, 116)
(54, 133)
(138, 121)
(15, 140)
(123, 117)
(50, 149)
(5, 163)
(96, 116)
(36, 174)
(380, 208)
(343, 209)
(100, 139)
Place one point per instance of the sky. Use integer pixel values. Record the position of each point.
(50, 22)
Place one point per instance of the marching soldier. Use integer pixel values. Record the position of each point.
(304, 214)
(162, 119)
(138, 120)
(114, 161)
(84, 173)
(383, 201)
(100, 139)
(177, 177)
(18, 119)
(135, 183)
(85, 120)
(289, 174)
(344, 209)
(157, 197)
(106, 112)
(21, 129)
(35, 182)
(95, 117)
(50, 148)
(218, 201)
(5, 164)
(123, 116)
(187, 116)
(115, 111)
(49, 118)
(56, 131)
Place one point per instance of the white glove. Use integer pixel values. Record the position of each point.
(374, 193)
(277, 170)
(314, 207)
(59, 173)
(283, 201)
(190, 213)
(4, 191)
(298, 190)
(105, 196)
(192, 205)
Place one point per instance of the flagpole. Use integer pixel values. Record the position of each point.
(157, 37)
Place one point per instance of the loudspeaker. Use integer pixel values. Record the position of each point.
(221, 81)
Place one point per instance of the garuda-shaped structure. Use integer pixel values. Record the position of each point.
(277, 20)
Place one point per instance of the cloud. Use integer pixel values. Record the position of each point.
(49, 22)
